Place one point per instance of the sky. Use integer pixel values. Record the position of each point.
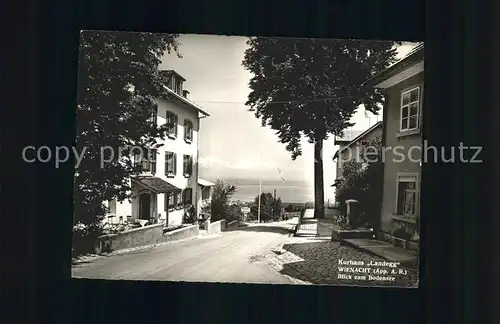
(233, 144)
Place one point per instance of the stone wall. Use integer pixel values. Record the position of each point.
(182, 233)
(143, 236)
(407, 245)
(232, 225)
(216, 227)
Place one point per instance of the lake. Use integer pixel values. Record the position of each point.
(293, 192)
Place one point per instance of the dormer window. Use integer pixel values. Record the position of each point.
(170, 82)
(188, 131)
(177, 86)
(171, 124)
(174, 81)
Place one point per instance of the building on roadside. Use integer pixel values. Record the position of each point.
(403, 84)
(169, 185)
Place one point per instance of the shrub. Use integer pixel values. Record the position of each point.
(220, 200)
(85, 238)
(363, 181)
(340, 220)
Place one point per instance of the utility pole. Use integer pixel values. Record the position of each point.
(260, 188)
(274, 205)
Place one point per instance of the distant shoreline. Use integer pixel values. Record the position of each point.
(293, 192)
(289, 192)
(255, 182)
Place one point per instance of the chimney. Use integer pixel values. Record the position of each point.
(185, 93)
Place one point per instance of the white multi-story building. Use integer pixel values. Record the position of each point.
(169, 185)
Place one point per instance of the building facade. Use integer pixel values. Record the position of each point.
(403, 84)
(168, 187)
(352, 150)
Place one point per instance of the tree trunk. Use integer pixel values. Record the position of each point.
(319, 196)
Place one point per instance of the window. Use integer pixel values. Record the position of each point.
(112, 207)
(171, 200)
(152, 160)
(187, 196)
(170, 164)
(170, 81)
(154, 116)
(188, 131)
(407, 196)
(188, 165)
(205, 193)
(410, 109)
(171, 124)
(177, 87)
(147, 164)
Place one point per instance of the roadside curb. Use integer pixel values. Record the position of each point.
(277, 265)
(92, 257)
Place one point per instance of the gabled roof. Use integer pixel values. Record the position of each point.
(359, 137)
(416, 55)
(180, 97)
(172, 72)
(185, 100)
(156, 185)
(205, 183)
(348, 136)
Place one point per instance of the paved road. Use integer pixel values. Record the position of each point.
(235, 256)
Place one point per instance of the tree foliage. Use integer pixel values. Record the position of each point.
(220, 203)
(118, 87)
(363, 181)
(311, 88)
(267, 206)
(234, 212)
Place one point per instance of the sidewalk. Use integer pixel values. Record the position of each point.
(384, 250)
(310, 257)
(315, 260)
(316, 227)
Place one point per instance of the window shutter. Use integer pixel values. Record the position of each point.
(145, 161)
(174, 159)
(175, 125)
(188, 130)
(167, 163)
(153, 161)
(401, 197)
(166, 201)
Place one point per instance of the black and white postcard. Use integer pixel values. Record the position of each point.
(205, 158)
